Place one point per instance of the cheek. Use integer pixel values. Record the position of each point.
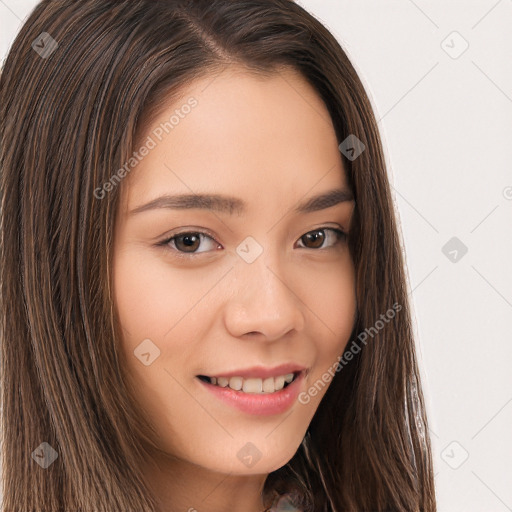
(152, 303)
(334, 305)
(137, 294)
(149, 298)
(332, 313)
(161, 304)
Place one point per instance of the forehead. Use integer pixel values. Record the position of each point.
(265, 137)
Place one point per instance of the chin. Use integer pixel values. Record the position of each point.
(261, 455)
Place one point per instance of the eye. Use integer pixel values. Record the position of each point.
(186, 243)
(317, 237)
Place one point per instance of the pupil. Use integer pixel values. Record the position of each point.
(314, 235)
(189, 240)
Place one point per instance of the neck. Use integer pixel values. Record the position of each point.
(180, 486)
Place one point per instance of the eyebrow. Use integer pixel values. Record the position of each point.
(230, 205)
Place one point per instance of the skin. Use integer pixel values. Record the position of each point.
(270, 142)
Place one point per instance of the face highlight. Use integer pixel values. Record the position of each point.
(231, 257)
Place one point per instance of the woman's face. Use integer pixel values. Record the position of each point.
(263, 289)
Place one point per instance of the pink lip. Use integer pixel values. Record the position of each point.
(259, 403)
(261, 371)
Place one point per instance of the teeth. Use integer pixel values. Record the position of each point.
(268, 385)
(279, 383)
(253, 385)
(222, 382)
(236, 383)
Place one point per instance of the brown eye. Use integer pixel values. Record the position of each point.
(315, 239)
(188, 242)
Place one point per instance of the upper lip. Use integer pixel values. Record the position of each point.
(262, 371)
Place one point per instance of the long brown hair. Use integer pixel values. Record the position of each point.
(71, 108)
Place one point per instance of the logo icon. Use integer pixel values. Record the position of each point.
(249, 249)
(352, 147)
(455, 455)
(249, 454)
(44, 455)
(146, 352)
(454, 249)
(454, 45)
(44, 45)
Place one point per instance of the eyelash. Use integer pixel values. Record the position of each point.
(342, 237)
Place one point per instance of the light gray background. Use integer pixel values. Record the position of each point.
(446, 125)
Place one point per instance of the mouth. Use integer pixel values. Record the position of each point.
(257, 391)
(253, 385)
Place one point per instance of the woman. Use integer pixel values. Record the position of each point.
(204, 303)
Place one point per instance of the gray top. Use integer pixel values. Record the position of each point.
(283, 504)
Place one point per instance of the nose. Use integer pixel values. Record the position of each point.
(263, 302)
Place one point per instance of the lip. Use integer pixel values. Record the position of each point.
(262, 372)
(261, 404)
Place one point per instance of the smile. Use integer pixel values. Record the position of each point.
(253, 384)
(256, 395)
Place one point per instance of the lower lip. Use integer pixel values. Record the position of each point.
(263, 404)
